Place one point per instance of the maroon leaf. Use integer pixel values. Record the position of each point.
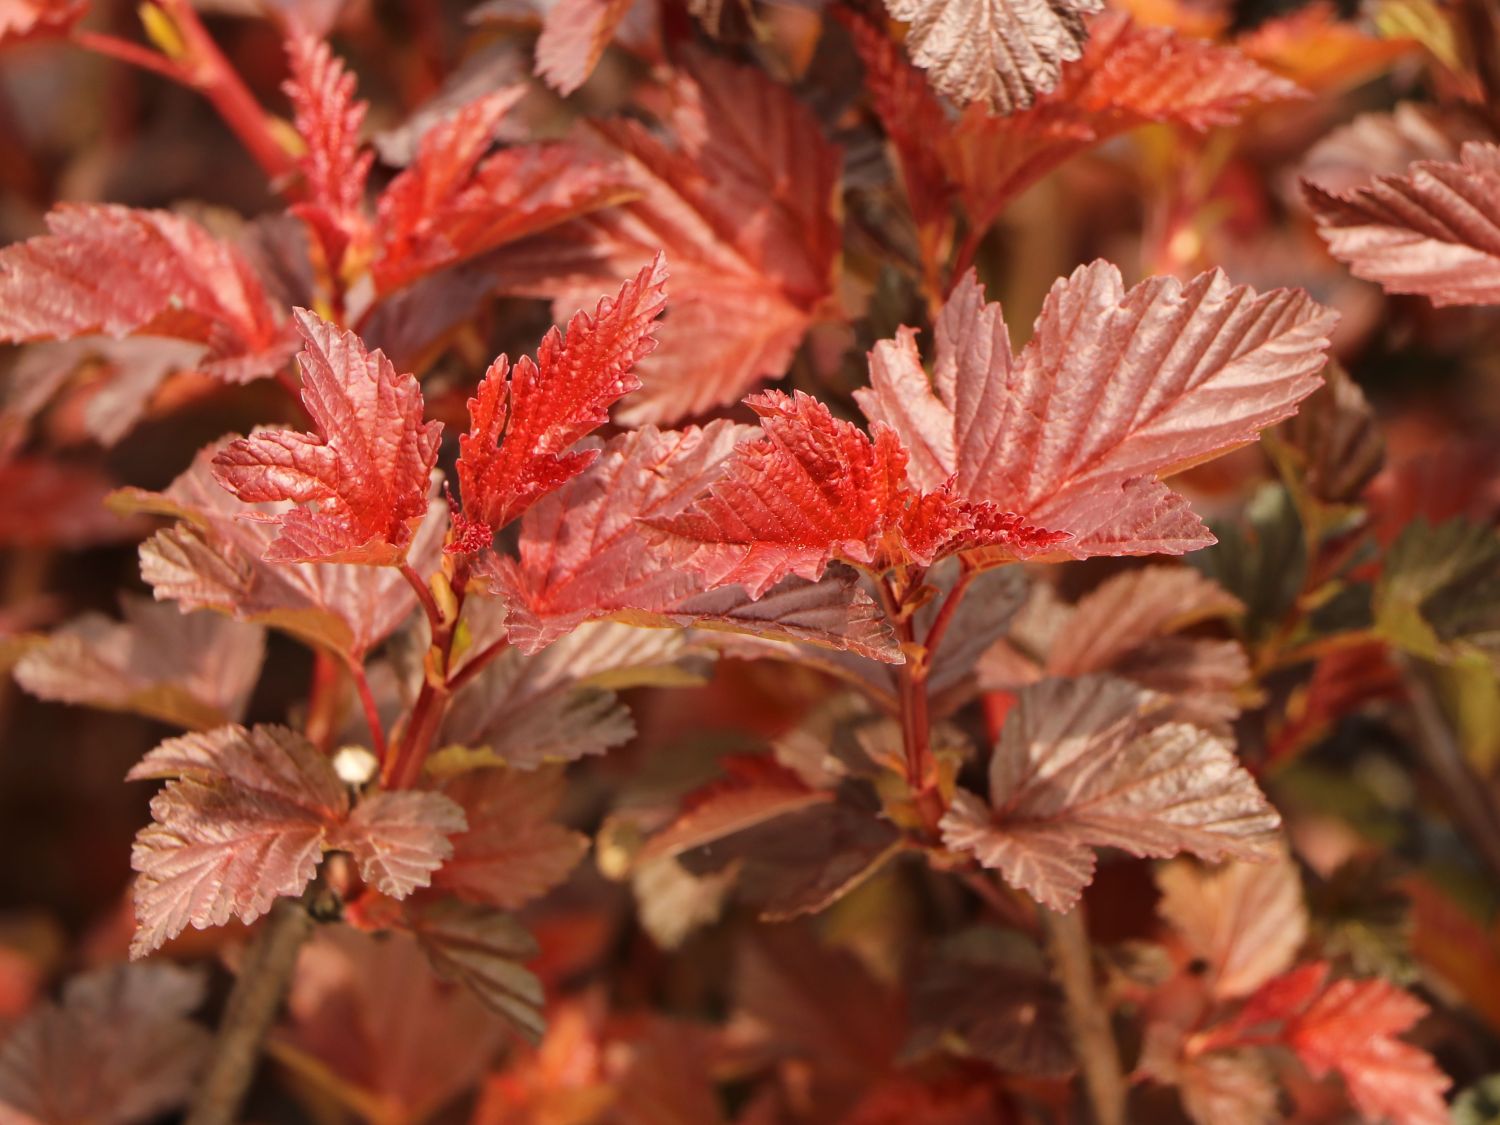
(582, 556)
(1083, 764)
(119, 1048)
(484, 949)
(1115, 390)
(754, 789)
(525, 421)
(400, 839)
(367, 468)
(244, 821)
(514, 851)
(191, 670)
(1434, 231)
(122, 272)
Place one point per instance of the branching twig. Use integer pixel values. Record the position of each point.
(1088, 1019)
(257, 995)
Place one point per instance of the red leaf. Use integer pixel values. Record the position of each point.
(244, 822)
(1004, 52)
(367, 467)
(21, 20)
(574, 36)
(119, 1048)
(1434, 231)
(333, 166)
(214, 559)
(191, 670)
(1083, 764)
(400, 839)
(815, 488)
(57, 504)
(451, 204)
(582, 556)
(122, 272)
(484, 949)
(513, 851)
(525, 421)
(1114, 390)
(1129, 76)
(1351, 1028)
(744, 207)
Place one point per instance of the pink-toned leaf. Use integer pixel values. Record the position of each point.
(1083, 764)
(514, 851)
(122, 272)
(582, 556)
(1434, 231)
(1129, 75)
(1386, 144)
(118, 1048)
(244, 821)
(367, 468)
(524, 422)
(574, 36)
(814, 488)
(559, 705)
(1245, 921)
(399, 839)
(1115, 389)
(334, 167)
(191, 670)
(453, 203)
(483, 949)
(1215, 1086)
(21, 20)
(1003, 52)
(744, 207)
(57, 504)
(214, 559)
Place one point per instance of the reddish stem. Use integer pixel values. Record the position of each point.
(209, 72)
(404, 767)
(424, 595)
(322, 700)
(967, 251)
(916, 721)
(476, 664)
(946, 612)
(372, 712)
(133, 53)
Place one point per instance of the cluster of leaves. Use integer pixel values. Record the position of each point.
(962, 711)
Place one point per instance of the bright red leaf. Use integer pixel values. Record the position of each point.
(525, 421)
(1115, 390)
(334, 167)
(1434, 231)
(453, 202)
(367, 468)
(814, 488)
(744, 205)
(1083, 764)
(583, 556)
(122, 272)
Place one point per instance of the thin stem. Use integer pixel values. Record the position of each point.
(424, 595)
(210, 73)
(322, 699)
(1467, 794)
(967, 250)
(916, 720)
(257, 995)
(125, 51)
(1088, 1019)
(372, 712)
(946, 612)
(476, 664)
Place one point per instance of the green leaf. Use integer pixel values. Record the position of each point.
(1439, 594)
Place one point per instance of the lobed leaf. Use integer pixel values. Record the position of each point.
(367, 468)
(574, 36)
(400, 839)
(1434, 231)
(484, 949)
(524, 422)
(1115, 389)
(1082, 764)
(116, 271)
